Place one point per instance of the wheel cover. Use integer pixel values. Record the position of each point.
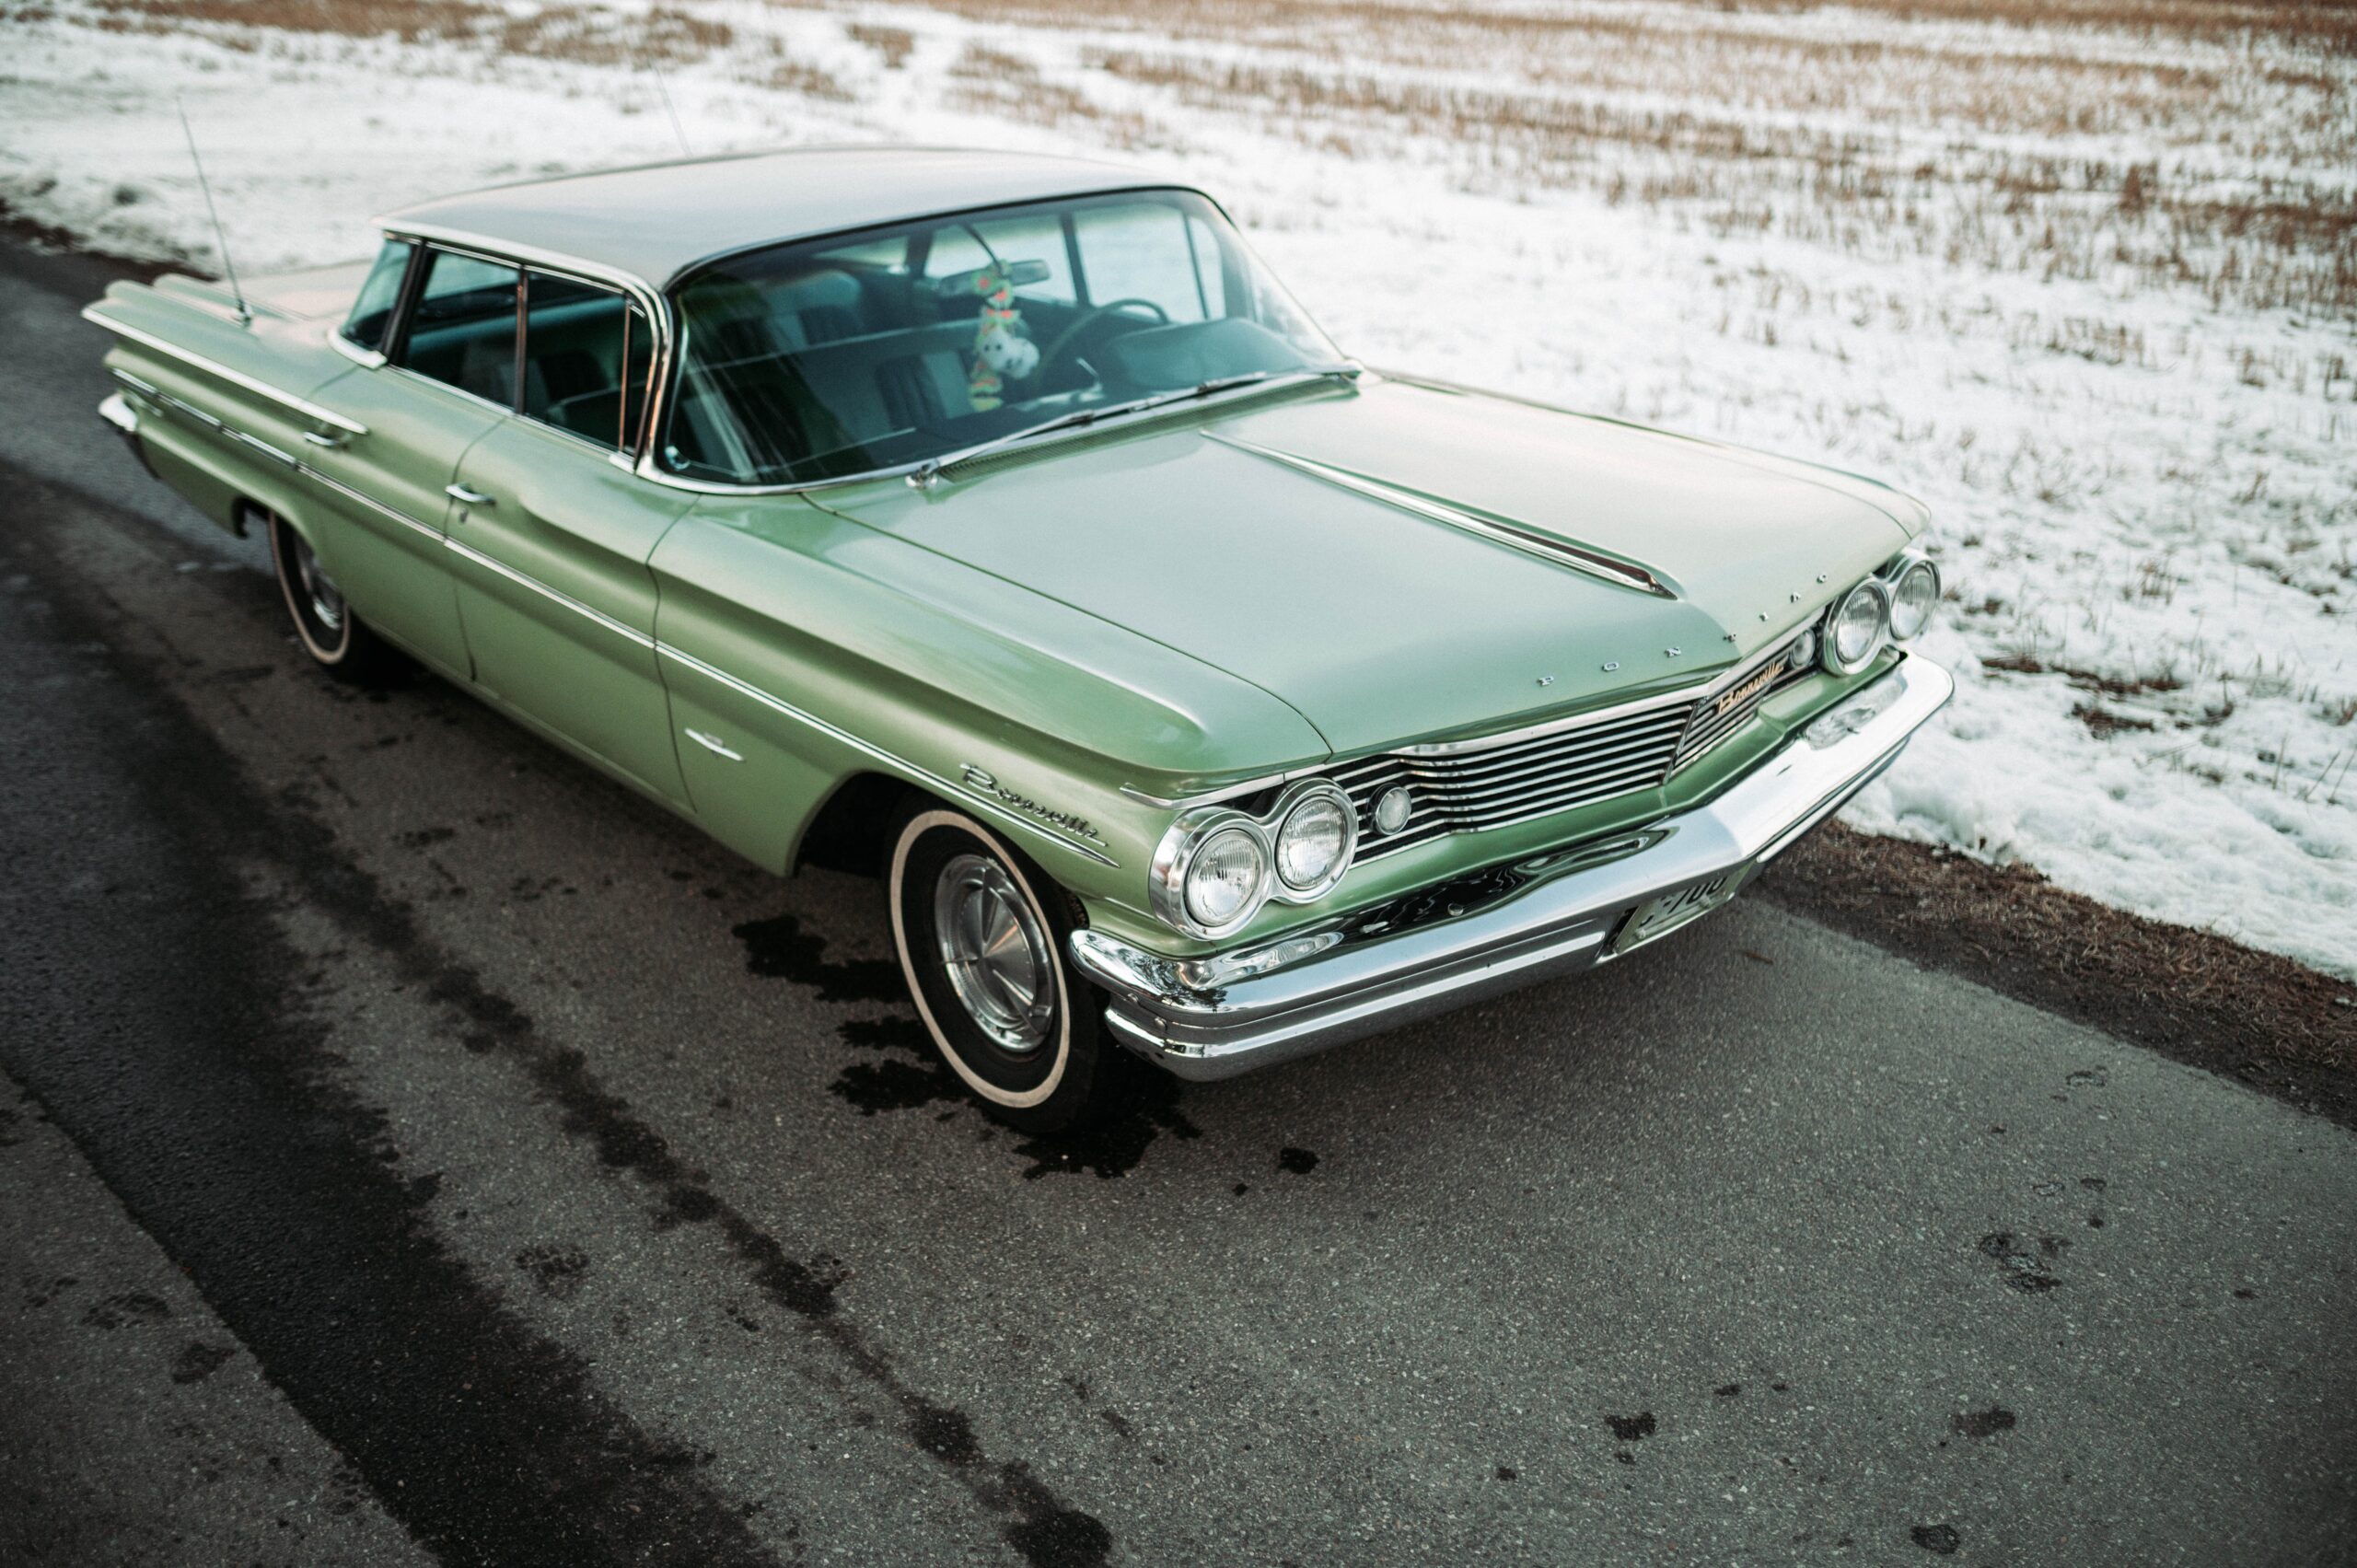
(326, 599)
(996, 952)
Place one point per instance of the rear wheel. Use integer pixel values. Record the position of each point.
(335, 638)
(981, 933)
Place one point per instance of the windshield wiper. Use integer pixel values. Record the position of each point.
(927, 473)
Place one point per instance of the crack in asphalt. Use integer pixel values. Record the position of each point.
(529, 1506)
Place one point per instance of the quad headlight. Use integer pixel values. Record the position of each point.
(1857, 627)
(1914, 594)
(1227, 879)
(1314, 841)
(1217, 865)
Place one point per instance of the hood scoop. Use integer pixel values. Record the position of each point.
(1500, 531)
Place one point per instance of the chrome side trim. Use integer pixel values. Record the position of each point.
(899, 764)
(618, 628)
(286, 459)
(303, 406)
(1545, 547)
(365, 499)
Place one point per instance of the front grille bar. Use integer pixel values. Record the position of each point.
(1471, 788)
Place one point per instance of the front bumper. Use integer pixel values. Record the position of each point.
(1509, 926)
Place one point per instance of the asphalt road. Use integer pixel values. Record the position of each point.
(414, 1148)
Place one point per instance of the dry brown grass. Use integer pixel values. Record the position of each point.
(590, 35)
(1967, 200)
(1008, 87)
(2328, 26)
(895, 45)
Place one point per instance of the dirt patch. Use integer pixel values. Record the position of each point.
(2264, 1021)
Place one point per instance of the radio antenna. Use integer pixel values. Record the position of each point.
(220, 235)
(676, 129)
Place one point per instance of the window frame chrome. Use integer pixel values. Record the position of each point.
(527, 259)
(648, 468)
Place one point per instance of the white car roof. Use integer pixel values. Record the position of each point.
(651, 223)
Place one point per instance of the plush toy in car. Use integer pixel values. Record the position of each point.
(1003, 351)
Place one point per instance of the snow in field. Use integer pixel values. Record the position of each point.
(2092, 296)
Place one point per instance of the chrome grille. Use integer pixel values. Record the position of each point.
(1513, 781)
(1742, 698)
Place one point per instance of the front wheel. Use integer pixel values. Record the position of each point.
(331, 633)
(981, 933)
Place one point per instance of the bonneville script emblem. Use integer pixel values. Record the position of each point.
(1735, 695)
(980, 779)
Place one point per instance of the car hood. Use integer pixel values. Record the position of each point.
(1355, 553)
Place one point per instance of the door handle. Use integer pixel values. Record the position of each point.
(321, 438)
(467, 495)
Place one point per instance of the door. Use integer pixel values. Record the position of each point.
(423, 407)
(550, 534)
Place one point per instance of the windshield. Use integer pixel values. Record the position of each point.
(826, 358)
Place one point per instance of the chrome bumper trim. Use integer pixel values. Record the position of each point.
(123, 420)
(1552, 914)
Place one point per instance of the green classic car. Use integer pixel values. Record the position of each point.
(999, 522)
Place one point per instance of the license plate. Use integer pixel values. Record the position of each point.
(1659, 917)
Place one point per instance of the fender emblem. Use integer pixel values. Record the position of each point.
(980, 779)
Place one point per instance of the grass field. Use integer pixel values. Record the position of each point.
(2084, 276)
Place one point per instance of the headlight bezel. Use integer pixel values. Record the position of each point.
(1175, 857)
(1896, 575)
(1829, 639)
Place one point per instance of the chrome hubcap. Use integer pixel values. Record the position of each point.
(327, 599)
(996, 952)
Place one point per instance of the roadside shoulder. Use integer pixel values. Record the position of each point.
(2262, 1020)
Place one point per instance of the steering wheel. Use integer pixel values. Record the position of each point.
(1087, 318)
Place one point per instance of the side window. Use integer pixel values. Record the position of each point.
(1148, 250)
(372, 313)
(587, 351)
(462, 331)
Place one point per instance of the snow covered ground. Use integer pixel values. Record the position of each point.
(2092, 294)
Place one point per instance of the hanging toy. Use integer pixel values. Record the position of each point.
(1003, 351)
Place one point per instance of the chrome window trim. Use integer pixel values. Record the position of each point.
(876, 753)
(658, 402)
(279, 395)
(366, 358)
(648, 470)
(651, 299)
